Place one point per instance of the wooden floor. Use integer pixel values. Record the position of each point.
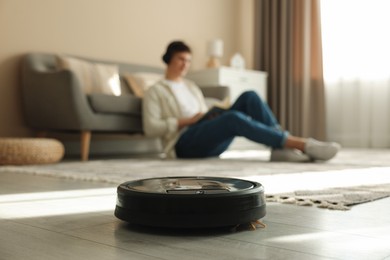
(50, 218)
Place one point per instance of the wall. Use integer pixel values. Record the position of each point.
(123, 30)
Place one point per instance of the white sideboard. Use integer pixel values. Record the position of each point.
(238, 81)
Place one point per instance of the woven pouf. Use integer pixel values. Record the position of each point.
(21, 151)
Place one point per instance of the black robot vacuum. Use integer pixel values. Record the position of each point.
(190, 202)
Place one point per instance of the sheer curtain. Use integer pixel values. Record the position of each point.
(356, 55)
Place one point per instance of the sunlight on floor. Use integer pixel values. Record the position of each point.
(278, 183)
(262, 154)
(337, 240)
(54, 203)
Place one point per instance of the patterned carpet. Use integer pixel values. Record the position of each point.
(354, 176)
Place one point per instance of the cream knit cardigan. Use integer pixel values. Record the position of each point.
(161, 111)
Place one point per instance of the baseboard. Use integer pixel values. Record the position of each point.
(118, 147)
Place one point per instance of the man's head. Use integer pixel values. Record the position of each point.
(173, 48)
(178, 58)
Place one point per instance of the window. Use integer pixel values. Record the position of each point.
(356, 54)
(356, 41)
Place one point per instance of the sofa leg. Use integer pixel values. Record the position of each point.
(85, 142)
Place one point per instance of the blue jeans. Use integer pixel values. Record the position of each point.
(249, 117)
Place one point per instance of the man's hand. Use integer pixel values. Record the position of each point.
(196, 118)
(189, 121)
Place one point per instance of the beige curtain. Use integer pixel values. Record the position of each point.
(288, 46)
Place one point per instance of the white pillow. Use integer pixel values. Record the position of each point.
(139, 82)
(93, 77)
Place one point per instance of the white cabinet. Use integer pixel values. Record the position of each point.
(237, 80)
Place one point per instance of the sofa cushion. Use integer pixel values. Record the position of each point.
(139, 82)
(125, 104)
(93, 77)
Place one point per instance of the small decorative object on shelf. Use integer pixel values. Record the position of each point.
(237, 61)
(215, 52)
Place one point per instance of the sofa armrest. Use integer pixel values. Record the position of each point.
(53, 100)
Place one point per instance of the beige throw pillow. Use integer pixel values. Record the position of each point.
(139, 82)
(93, 77)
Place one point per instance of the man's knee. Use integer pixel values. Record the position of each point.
(251, 95)
(235, 117)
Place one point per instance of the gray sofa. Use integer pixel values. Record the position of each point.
(53, 100)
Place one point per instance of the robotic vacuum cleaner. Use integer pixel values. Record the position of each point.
(190, 202)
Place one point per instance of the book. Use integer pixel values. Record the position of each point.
(212, 113)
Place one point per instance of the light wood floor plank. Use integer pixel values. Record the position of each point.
(18, 241)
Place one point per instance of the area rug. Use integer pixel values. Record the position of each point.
(353, 177)
(333, 198)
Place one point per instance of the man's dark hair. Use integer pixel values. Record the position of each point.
(175, 47)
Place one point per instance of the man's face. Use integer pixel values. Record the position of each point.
(180, 63)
